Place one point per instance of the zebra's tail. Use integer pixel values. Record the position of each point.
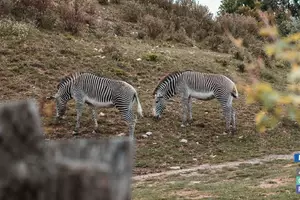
(139, 106)
(235, 92)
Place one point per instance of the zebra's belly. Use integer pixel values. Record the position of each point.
(202, 95)
(96, 103)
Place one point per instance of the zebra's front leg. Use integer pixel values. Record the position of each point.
(94, 116)
(185, 106)
(79, 109)
(233, 121)
(227, 116)
(190, 109)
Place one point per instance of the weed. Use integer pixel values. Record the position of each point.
(241, 67)
(151, 57)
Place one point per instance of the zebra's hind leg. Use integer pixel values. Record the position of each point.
(185, 105)
(94, 116)
(128, 116)
(132, 124)
(79, 109)
(190, 109)
(227, 116)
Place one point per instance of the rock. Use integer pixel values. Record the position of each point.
(149, 133)
(121, 134)
(194, 159)
(175, 167)
(145, 136)
(183, 141)
(101, 114)
(139, 59)
(197, 142)
(154, 143)
(206, 113)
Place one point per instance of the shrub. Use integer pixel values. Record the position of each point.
(17, 30)
(75, 14)
(151, 57)
(154, 26)
(112, 51)
(131, 12)
(71, 15)
(295, 25)
(239, 26)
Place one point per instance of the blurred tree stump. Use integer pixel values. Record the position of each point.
(32, 168)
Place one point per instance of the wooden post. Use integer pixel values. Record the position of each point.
(31, 168)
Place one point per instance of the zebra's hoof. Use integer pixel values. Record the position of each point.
(75, 133)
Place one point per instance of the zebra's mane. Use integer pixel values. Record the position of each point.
(167, 78)
(68, 78)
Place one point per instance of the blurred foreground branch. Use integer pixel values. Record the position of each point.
(34, 169)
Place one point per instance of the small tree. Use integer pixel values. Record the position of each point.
(274, 104)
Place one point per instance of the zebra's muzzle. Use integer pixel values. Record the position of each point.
(157, 117)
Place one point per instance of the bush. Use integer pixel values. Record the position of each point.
(154, 26)
(239, 26)
(295, 25)
(17, 30)
(132, 12)
(151, 57)
(72, 15)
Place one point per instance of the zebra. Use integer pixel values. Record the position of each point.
(204, 86)
(97, 91)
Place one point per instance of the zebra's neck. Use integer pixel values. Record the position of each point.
(168, 86)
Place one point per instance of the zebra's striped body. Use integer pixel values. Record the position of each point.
(97, 92)
(191, 84)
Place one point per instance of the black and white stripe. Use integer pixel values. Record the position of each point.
(97, 91)
(190, 84)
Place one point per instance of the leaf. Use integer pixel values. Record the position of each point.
(260, 116)
(270, 49)
(269, 31)
(293, 37)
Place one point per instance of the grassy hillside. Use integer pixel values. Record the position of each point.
(268, 180)
(33, 60)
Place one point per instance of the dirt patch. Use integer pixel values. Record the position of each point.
(193, 194)
(218, 166)
(276, 182)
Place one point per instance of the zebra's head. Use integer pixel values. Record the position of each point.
(159, 105)
(62, 96)
(61, 105)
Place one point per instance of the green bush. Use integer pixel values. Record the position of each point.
(17, 30)
(151, 57)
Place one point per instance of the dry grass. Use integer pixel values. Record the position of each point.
(31, 68)
(271, 180)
